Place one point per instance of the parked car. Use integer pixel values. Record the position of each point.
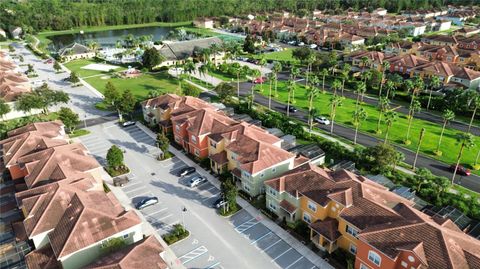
(186, 171)
(322, 120)
(301, 44)
(259, 80)
(49, 61)
(219, 203)
(291, 109)
(291, 42)
(146, 202)
(128, 123)
(192, 183)
(120, 181)
(313, 46)
(460, 170)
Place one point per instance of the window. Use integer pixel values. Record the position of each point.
(213, 144)
(245, 187)
(404, 264)
(353, 249)
(274, 169)
(374, 257)
(411, 258)
(194, 139)
(272, 205)
(245, 175)
(363, 266)
(125, 236)
(177, 127)
(262, 174)
(197, 152)
(312, 206)
(177, 139)
(272, 192)
(307, 218)
(351, 231)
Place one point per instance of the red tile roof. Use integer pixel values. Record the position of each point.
(42, 258)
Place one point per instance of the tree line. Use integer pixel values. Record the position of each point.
(37, 15)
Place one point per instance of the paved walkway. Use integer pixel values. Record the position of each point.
(284, 235)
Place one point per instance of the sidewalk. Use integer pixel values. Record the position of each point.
(284, 235)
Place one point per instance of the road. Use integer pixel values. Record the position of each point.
(437, 167)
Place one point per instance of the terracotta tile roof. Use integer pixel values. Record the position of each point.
(408, 61)
(23, 144)
(55, 164)
(45, 205)
(436, 246)
(19, 231)
(364, 204)
(202, 121)
(327, 227)
(287, 206)
(10, 92)
(143, 254)
(42, 258)
(55, 127)
(89, 219)
(220, 158)
(162, 101)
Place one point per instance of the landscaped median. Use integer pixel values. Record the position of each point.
(449, 146)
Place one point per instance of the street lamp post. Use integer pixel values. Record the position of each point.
(184, 210)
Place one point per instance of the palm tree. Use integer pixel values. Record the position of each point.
(476, 105)
(408, 85)
(255, 73)
(344, 74)
(189, 67)
(214, 49)
(310, 60)
(241, 72)
(277, 68)
(93, 46)
(366, 76)
(466, 140)
(359, 115)
(415, 106)
(390, 87)
(335, 102)
(383, 106)
(294, 72)
(270, 79)
(390, 118)
(205, 53)
(360, 89)
(420, 139)
(323, 73)
(312, 93)
(336, 85)
(364, 61)
(435, 82)
(385, 67)
(262, 62)
(447, 116)
(290, 89)
(203, 71)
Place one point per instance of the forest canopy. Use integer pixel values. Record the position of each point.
(38, 15)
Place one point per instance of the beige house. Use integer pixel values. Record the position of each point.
(76, 51)
(203, 23)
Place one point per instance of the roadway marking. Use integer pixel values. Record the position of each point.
(129, 185)
(261, 237)
(272, 245)
(151, 214)
(301, 257)
(246, 225)
(193, 254)
(135, 189)
(204, 191)
(164, 217)
(213, 265)
(208, 198)
(244, 222)
(142, 194)
(281, 254)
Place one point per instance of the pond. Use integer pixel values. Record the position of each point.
(108, 37)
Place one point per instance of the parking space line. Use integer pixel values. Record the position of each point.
(272, 245)
(261, 237)
(247, 228)
(208, 198)
(301, 257)
(204, 191)
(246, 225)
(135, 189)
(281, 254)
(244, 222)
(313, 267)
(151, 214)
(167, 226)
(143, 193)
(164, 217)
(129, 185)
(213, 265)
(194, 254)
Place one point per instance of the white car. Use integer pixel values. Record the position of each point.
(192, 183)
(301, 44)
(128, 123)
(313, 46)
(291, 42)
(322, 120)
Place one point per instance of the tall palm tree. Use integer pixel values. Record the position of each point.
(335, 102)
(366, 76)
(390, 118)
(383, 106)
(435, 82)
(336, 85)
(360, 89)
(420, 139)
(447, 116)
(205, 54)
(294, 72)
(415, 106)
(323, 73)
(189, 68)
(390, 87)
(476, 105)
(309, 61)
(270, 80)
(262, 62)
(203, 71)
(214, 49)
(241, 72)
(277, 68)
(385, 67)
(344, 74)
(359, 115)
(290, 89)
(466, 141)
(364, 61)
(312, 93)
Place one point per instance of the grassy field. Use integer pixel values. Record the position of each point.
(223, 76)
(284, 55)
(76, 66)
(397, 134)
(140, 86)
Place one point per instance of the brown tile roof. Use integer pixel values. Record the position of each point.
(286, 205)
(42, 258)
(23, 144)
(220, 158)
(327, 227)
(55, 164)
(143, 254)
(55, 127)
(437, 246)
(364, 203)
(10, 92)
(89, 219)
(45, 205)
(162, 101)
(408, 60)
(202, 121)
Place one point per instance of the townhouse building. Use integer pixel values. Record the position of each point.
(380, 228)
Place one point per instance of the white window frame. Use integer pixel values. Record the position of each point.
(194, 139)
(312, 206)
(363, 266)
(197, 152)
(374, 257)
(272, 191)
(307, 218)
(272, 206)
(354, 248)
(351, 231)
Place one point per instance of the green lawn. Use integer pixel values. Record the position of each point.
(397, 133)
(284, 55)
(76, 66)
(140, 86)
(224, 76)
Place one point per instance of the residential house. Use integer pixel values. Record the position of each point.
(467, 31)
(75, 51)
(374, 59)
(441, 25)
(203, 23)
(380, 11)
(147, 253)
(337, 205)
(470, 43)
(90, 220)
(458, 17)
(452, 73)
(441, 40)
(179, 52)
(15, 32)
(400, 48)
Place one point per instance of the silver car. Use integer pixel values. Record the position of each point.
(192, 183)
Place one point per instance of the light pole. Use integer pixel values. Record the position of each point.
(85, 120)
(184, 210)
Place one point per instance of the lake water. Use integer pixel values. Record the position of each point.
(109, 37)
